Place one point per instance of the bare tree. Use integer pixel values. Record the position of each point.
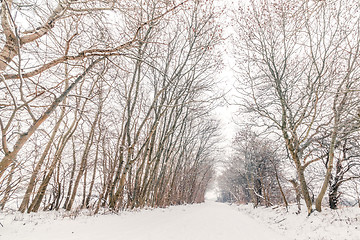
(253, 174)
(290, 61)
(13, 46)
(125, 88)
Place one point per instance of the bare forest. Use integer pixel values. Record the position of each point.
(298, 69)
(104, 104)
(108, 104)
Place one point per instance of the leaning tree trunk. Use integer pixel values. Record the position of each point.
(83, 164)
(328, 171)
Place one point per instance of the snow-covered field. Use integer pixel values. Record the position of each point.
(202, 221)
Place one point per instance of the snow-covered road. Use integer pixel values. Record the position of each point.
(202, 221)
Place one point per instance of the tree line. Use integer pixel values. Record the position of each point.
(298, 65)
(105, 104)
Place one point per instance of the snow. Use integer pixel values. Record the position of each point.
(340, 224)
(201, 221)
(206, 221)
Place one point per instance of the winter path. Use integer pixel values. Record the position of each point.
(193, 222)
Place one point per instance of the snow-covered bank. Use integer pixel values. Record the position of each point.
(201, 221)
(341, 224)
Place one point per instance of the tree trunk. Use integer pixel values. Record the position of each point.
(83, 162)
(335, 184)
(26, 199)
(297, 192)
(280, 187)
(329, 164)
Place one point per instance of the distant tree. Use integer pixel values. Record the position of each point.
(253, 174)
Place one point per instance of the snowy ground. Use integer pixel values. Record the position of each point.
(341, 224)
(202, 221)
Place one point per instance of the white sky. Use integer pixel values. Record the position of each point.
(227, 113)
